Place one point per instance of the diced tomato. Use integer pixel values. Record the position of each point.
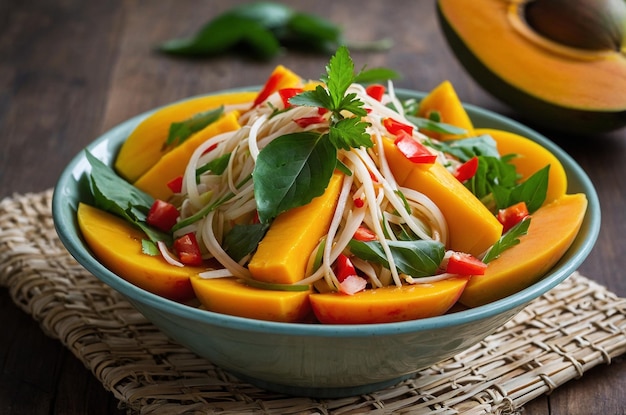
(162, 215)
(176, 184)
(465, 264)
(512, 215)
(364, 234)
(413, 150)
(344, 267)
(394, 126)
(188, 250)
(375, 91)
(306, 121)
(466, 170)
(288, 93)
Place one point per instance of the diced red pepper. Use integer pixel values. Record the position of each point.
(211, 148)
(176, 184)
(322, 110)
(466, 170)
(512, 215)
(394, 126)
(465, 264)
(162, 215)
(344, 267)
(375, 91)
(364, 234)
(358, 202)
(188, 250)
(268, 89)
(413, 150)
(288, 93)
(306, 121)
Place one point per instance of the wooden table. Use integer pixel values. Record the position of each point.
(71, 70)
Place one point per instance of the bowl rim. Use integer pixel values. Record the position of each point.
(64, 221)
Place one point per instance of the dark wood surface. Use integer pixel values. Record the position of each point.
(70, 70)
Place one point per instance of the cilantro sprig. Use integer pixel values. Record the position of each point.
(295, 168)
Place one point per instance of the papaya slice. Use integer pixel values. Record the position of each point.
(173, 163)
(472, 228)
(144, 147)
(531, 158)
(282, 255)
(118, 246)
(229, 296)
(444, 100)
(388, 304)
(552, 230)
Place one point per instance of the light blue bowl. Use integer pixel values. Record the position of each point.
(323, 361)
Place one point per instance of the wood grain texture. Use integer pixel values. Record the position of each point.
(71, 70)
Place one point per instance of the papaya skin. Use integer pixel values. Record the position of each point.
(388, 304)
(572, 91)
(144, 146)
(173, 164)
(552, 230)
(444, 100)
(229, 296)
(282, 255)
(118, 246)
(532, 158)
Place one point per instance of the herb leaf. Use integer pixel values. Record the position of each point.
(180, 131)
(217, 166)
(292, 170)
(242, 240)
(508, 240)
(418, 258)
(115, 195)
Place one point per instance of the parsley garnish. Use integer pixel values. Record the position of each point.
(295, 168)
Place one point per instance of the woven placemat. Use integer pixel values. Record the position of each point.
(569, 330)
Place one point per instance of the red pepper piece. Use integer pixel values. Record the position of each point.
(288, 93)
(344, 267)
(364, 234)
(394, 126)
(188, 250)
(465, 264)
(162, 215)
(268, 89)
(375, 91)
(176, 184)
(358, 202)
(466, 170)
(306, 121)
(512, 215)
(413, 150)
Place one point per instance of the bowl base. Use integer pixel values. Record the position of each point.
(320, 393)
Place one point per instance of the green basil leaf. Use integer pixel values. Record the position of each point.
(435, 126)
(466, 148)
(181, 131)
(367, 76)
(242, 240)
(216, 166)
(292, 170)
(418, 258)
(508, 240)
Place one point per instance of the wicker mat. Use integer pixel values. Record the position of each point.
(569, 330)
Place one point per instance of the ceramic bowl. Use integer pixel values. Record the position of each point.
(323, 361)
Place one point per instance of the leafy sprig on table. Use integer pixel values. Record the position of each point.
(262, 30)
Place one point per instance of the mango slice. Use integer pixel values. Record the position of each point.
(283, 253)
(532, 157)
(444, 100)
(472, 228)
(229, 296)
(173, 163)
(388, 304)
(144, 147)
(118, 246)
(552, 230)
